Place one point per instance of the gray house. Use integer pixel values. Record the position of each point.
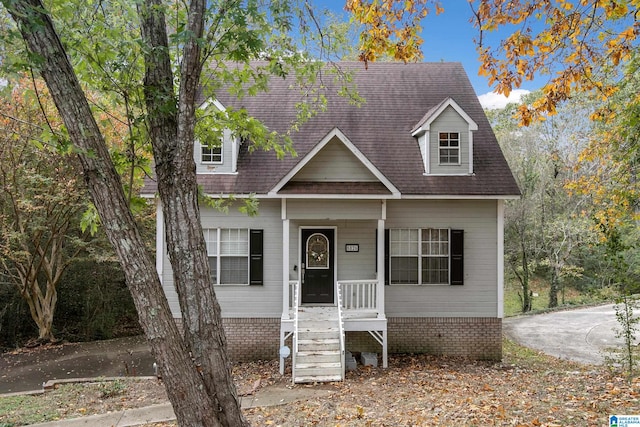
(384, 234)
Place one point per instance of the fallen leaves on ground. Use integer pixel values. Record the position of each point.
(430, 391)
(525, 389)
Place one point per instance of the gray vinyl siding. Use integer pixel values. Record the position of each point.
(227, 158)
(334, 163)
(356, 222)
(478, 296)
(245, 300)
(449, 121)
(350, 265)
(333, 209)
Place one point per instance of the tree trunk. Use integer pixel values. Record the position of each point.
(524, 279)
(187, 390)
(40, 308)
(41, 305)
(555, 286)
(171, 124)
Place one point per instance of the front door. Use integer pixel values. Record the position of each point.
(318, 262)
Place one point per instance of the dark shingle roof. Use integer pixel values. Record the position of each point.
(397, 97)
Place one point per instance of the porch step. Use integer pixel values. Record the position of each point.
(318, 358)
(317, 313)
(318, 334)
(322, 370)
(318, 379)
(318, 344)
(318, 325)
(315, 357)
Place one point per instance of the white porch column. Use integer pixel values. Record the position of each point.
(285, 262)
(500, 272)
(159, 238)
(385, 357)
(381, 266)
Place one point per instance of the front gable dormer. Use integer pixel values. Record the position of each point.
(217, 159)
(335, 165)
(445, 137)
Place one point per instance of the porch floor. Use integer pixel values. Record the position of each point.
(346, 314)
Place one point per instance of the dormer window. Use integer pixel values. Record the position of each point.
(210, 154)
(449, 148)
(445, 137)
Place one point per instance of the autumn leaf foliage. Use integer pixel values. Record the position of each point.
(391, 28)
(575, 43)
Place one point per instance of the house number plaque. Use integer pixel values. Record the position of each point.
(352, 247)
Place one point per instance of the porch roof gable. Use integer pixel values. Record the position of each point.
(337, 185)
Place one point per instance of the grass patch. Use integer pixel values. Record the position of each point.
(527, 358)
(23, 410)
(540, 300)
(80, 399)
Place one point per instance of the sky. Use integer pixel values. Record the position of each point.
(450, 37)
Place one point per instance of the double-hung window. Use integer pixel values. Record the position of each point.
(210, 154)
(235, 255)
(435, 255)
(425, 256)
(449, 148)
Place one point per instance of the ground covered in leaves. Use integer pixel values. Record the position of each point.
(525, 389)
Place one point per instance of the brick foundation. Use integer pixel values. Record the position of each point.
(475, 337)
(472, 337)
(250, 338)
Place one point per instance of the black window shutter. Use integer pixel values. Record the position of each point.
(387, 263)
(457, 257)
(255, 257)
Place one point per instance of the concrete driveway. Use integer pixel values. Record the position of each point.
(582, 335)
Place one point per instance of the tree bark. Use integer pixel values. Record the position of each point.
(187, 390)
(555, 286)
(172, 124)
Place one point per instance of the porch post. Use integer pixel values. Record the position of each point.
(500, 263)
(285, 262)
(385, 349)
(381, 267)
(380, 284)
(159, 238)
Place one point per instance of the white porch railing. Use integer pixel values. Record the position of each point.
(341, 330)
(296, 304)
(293, 289)
(359, 294)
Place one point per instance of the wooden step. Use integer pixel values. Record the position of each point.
(318, 325)
(306, 357)
(322, 344)
(318, 358)
(317, 379)
(332, 369)
(317, 334)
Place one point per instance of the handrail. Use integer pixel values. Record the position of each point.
(341, 330)
(296, 304)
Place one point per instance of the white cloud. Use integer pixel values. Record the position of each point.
(492, 100)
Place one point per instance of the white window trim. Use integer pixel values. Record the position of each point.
(218, 255)
(202, 146)
(459, 148)
(423, 133)
(420, 256)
